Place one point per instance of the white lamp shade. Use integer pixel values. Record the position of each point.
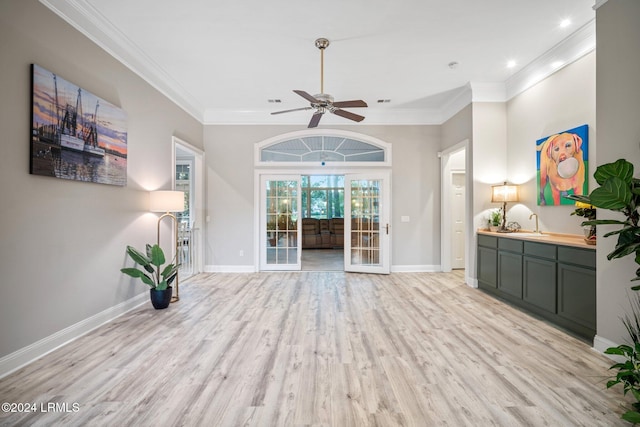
(504, 193)
(166, 201)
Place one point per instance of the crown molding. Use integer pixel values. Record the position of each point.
(569, 50)
(599, 4)
(87, 20)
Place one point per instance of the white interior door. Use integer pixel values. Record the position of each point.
(366, 225)
(457, 223)
(280, 237)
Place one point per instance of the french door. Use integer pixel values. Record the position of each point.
(366, 225)
(280, 237)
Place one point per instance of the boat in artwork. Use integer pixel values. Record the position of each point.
(73, 132)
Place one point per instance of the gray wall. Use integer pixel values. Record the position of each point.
(618, 132)
(230, 192)
(63, 241)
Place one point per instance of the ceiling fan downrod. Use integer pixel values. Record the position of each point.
(322, 44)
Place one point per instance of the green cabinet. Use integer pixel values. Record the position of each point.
(539, 275)
(556, 282)
(487, 262)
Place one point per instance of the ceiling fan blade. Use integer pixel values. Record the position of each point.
(348, 115)
(295, 109)
(350, 104)
(315, 119)
(306, 96)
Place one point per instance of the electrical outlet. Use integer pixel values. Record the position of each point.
(241, 252)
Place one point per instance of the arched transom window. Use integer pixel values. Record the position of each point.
(323, 148)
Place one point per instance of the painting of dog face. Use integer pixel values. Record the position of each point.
(562, 164)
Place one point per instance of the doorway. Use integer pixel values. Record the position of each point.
(456, 202)
(188, 176)
(321, 222)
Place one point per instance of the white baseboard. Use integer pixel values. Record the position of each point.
(470, 281)
(230, 269)
(253, 269)
(416, 268)
(600, 344)
(16, 360)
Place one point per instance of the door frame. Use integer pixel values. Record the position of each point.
(198, 213)
(445, 206)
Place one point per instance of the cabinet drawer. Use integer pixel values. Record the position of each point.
(487, 241)
(540, 250)
(510, 245)
(584, 257)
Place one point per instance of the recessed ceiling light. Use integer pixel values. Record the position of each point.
(511, 64)
(565, 23)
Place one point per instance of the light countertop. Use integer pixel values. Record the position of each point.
(574, 240)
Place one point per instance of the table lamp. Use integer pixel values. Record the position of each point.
(503, 193)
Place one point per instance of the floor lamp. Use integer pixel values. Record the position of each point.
(167, 202)
(503, 193)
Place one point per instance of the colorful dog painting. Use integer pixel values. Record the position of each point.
(562, 162)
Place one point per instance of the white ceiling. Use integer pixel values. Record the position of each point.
(222, 60)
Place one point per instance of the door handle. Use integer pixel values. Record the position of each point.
(387, 227)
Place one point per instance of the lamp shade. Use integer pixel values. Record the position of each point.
(503, 193)
(166, 201)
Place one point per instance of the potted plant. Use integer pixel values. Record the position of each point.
(154, 275)
(495, 220)
(588, 212)
(619, 191)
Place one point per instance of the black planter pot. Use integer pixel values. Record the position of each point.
(160, 299)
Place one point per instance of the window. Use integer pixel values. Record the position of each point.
(322, 196)
(322, 149)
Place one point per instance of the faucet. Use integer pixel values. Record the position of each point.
(537, 231)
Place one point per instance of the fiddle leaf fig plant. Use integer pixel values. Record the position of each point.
(619, 191)
(154, 274)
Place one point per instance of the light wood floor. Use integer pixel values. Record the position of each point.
(321, 349)
(323, 259)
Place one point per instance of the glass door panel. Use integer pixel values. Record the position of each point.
(279, 223)
(368, 210)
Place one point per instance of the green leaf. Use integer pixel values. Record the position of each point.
(137, 256)
(138, 274)
(631, 416)
(614, 194)
(157, 256)
(621, 169)
(623, 250)
(614, 350)
(162, 286)
(611, 383)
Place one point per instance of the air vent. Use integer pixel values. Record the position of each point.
(274, 101)
(383, 101)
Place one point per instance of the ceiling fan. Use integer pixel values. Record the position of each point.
(323, 102)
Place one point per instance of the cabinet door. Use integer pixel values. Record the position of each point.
(510, 273)
(539, 282)
(487, 268)
(577, 294)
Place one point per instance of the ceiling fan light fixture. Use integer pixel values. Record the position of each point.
(323, 102)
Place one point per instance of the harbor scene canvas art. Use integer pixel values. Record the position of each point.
(75, 135)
